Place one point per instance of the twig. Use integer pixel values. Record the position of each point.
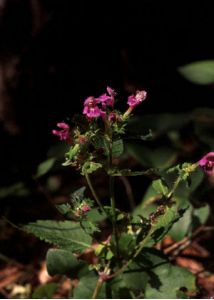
(186, 241)
(94, 194)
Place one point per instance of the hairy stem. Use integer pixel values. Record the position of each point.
(97, 288)
(114, 225)
(112, 196)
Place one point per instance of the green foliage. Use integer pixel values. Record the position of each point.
(152, 276)
(90, 167)
(167, 281)
(117, 148)
(63, 262)
(65, 234)
(86, 286)
(18, 189)
(199, 72)
(163, 157)
(162, 221)
(45, 291)
(45, 167)
(160, 187)
(111, 252)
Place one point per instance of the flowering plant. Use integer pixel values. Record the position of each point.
(125, 261)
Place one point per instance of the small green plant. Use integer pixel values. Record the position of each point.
(125, 263)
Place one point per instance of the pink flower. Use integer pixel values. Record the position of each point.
(86, 208)
(114, 117)
(207, 162)
(107, 99)
(91, 110)
(136, 99)
(64, 132)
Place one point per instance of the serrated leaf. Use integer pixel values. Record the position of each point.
(65, 234)
(78, 194)
(63, 262)
(86, 287)
(63, 208)
(162, 222)
(117, 148)
(90, 167)
(199, 72)
(45, 291)
(45, 167)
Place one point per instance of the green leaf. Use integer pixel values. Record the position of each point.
(167, 280)
(65, 234)
(45, 291)
(126, 244)
(133, 280)
(90, 167)
(200, 216)
(86, 287)
(159, 123)
(18, 189)
(73, 151)
(63, 262)
(95, 215)
(78, 194)
(162, 221)
(45, 167)
(117, 148)
(162, 157)
(63, 208)
(160, 187)
(181, 227)
(199, 72)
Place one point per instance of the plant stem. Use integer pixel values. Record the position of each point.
(112, 199)
(94, 193)
(175, 185)
(112, 196)
(142, 244)
(97, 288)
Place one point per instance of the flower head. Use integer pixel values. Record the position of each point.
(136, 99)
(91, 110)
(207, 162)
(114, 117)
(63, 134)
(107, 99)
(82, 209)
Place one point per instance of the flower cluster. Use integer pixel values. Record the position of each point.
(64, 133)
(136, 99)
(94, 107)
(88, 139)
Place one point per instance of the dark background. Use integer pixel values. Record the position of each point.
(54, 53)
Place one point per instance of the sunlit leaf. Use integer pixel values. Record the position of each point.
(199, 72)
